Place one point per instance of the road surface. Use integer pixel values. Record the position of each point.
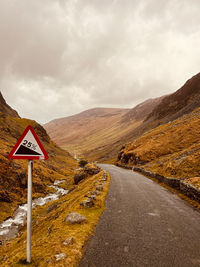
(144, 224)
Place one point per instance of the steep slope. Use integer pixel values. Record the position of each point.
(97, 134)
(171, 150)
(13, 181)
(6, 109)
(86, 131)
(141, 111)
(183, 101)
(171, 107)
(82, 125)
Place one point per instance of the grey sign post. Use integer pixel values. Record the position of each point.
(29, 211)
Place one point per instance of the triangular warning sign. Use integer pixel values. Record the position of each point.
(28, 147)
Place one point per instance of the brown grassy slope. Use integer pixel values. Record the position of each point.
(82, 125)
(86, 131)
(49, 229)
(172, 149)
(6, 109)
(98, 134)
(171, 107)
(141, 111)
(183, 101)
(13, 173)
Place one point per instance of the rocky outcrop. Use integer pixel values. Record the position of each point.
(68, 241)
(87, 203)
(130, 158)
(92, 170)
(190, 191)
(75, 218)
(79, 176)
(85, 172)
(60, 256)
(4, 196)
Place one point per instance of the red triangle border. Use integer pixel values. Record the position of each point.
(29, 128)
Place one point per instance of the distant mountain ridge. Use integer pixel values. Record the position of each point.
(183, 101)
(142, 110)
(99, 132)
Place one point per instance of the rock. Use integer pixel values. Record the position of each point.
(99, 188)
(74, 217)
(88, 194)
(4, 196)
(16, 166)
(93, 197)
(3, 258)
(88, 203)
(92, 171)
(49, 230)
(96, 193)
(60, 256)
(79, 177)
(68, 241)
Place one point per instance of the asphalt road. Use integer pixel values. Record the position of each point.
(144, 224)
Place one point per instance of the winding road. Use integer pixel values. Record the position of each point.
(144, 224)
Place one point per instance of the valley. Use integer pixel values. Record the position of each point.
(159, 138)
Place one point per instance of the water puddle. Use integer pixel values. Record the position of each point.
(10, 227)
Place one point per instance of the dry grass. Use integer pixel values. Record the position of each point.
(172, 149)
(60, 165)
(95, 138)
(50, 230)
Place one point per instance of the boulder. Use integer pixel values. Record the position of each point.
(68, 241)
(99, 188)
(4, 196)
(96, 193)
(79, 177)
(60, 256)
(88, 203)
(75, 218)
(92, 171)
(93, 197)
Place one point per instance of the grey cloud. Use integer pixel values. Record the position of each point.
(61, 57)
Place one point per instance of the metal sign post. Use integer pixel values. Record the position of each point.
(29, 211)
(29, 147)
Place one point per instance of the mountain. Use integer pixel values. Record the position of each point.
(6, 109)
(141, 111)
(98, 134)
(170, 150)
(168, 141)
(183, 101)
(78, 127)
(13, 180)
(87, 131)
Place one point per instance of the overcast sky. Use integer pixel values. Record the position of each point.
(60, 57)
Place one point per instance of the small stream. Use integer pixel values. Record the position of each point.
(10, 227)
